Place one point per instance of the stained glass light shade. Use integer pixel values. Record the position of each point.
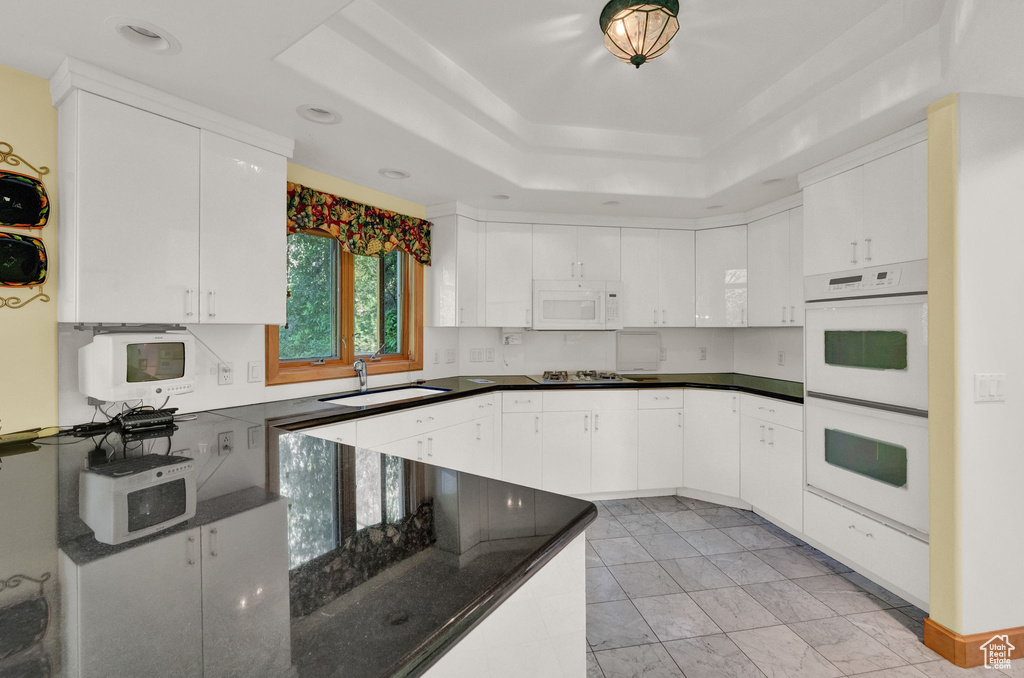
(637, 32)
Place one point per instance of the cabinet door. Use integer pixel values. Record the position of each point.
(833, 212)
(246, 619)
(786, 476)
(676, 278)
(796, 267)
(722, 277)
(243, 268)
(554, 252)
(754, 463)
(440, 277)
(566, 452)
(127, 600)
(472, 451)
(768, 270)
(470, 303)
(597, 250)
(640, 253)
(522, 440)
(135, 238)
(508, 269)
(613, 451)
(711, 440)
(660, 449)
(896, 207)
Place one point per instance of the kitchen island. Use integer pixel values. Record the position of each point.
(311, 558)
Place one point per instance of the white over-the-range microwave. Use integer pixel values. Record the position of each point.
(576, 305)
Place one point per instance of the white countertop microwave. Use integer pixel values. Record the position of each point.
(576, 305)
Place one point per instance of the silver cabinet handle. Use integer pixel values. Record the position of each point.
(586, 422)
(792, 314)
(529, 320)
(663, 321)
(522, 402)
(536, 424)
(191, 550)
(572, 268)
(211, 305)
(655, 316)
(479, 429)
(430, 448)
(771, 436)
(419, 450)
(853, 258)
(762, 432)
(581, 269)
(213, 542)
(734, 403)
(596, 420)
(765, 409)
(462, 315)
(866, 534)
(680, 424)
(867, 246)
(188, 303)
(743, 316)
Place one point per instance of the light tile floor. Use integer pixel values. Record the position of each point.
(678, 587)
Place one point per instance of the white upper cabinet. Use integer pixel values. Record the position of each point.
(775, 275)
(165, 223)
(508, 275)
(871, 215)
(657, 278)
(129, 232)
(575, 253)
(242, 235)
(721, 265)
(455, 276)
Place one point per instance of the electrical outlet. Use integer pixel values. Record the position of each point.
(476, 355)
(782, 357)
(449, 356)
(512, 338)
(437, 356)
(702, 353)
(225, 442)
(490, 355)
(225, 373)
(255, 371)
(255, 437)
(663, 354)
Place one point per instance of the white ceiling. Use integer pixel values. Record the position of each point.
(520, 98)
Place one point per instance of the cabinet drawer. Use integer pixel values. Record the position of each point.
(660, 399)
(390, 427)
(778, 412)
(344, 432)
(894, 556)
(579, 400)
(530, 401)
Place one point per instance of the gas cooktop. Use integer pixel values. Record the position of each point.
(579, 377)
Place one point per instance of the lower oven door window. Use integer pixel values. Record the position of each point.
(157, 504)
(876, 459)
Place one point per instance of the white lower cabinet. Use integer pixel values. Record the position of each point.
(216, 596)
(711, 438)
(522, 441)
(772, 469)
(566, 457)
(613, 451)
(660, 439)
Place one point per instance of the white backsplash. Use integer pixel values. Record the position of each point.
(757, 352)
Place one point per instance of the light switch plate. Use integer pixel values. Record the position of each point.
(255, 371)
(490, 355)
(702, 353)
(476, 355)
(450, 356)
(255, 437)
(990, 388)
(782, 357)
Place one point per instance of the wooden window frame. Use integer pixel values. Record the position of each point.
(295, 372)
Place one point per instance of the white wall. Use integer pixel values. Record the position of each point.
(990, 241)
(757, 352)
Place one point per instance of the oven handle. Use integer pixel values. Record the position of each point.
(871, 404)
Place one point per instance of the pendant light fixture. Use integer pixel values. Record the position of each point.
(636, 31)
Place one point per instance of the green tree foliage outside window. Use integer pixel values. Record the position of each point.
(312, 330)
(378, 304)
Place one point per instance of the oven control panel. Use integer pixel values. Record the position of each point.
(865, 282)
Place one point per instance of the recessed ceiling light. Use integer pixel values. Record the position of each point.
(715, 207)
(500, 196)
(394, 173)
(318, 114)
(769, 182)
(610, 203)
(145, 35)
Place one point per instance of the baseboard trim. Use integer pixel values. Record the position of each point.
(966, 651)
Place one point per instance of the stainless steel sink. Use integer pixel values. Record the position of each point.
(385, 395)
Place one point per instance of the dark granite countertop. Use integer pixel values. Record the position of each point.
(387, 567)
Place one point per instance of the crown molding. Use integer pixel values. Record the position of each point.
(74, 74)
(773, 208)
(885, 146)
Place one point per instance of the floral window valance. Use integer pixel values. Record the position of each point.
(361, 229)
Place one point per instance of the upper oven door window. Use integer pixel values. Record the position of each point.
(866, 349)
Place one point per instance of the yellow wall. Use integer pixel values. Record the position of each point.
(943, 387)
(28, 335)
(328, 184)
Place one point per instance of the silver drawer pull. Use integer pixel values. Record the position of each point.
(866, 534)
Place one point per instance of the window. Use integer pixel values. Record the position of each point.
(342, 307)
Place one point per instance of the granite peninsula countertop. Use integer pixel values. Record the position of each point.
(389, 561)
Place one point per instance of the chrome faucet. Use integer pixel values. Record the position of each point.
(360, 367)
